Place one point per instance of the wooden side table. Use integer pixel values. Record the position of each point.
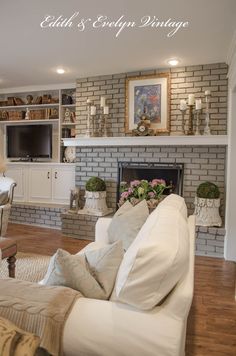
(9, 250)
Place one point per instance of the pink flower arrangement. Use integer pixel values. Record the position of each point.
(134, 183)
(156, 182)
(138, 190)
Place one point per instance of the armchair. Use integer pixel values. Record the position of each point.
(6, 184)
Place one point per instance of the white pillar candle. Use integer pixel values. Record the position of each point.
(207, 92)
(191, 99)
(93, 110)
(198, 104)
(183, 105)
(106, 110)
(103, 102)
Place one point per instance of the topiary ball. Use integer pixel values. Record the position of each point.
(95, 184)
(208, 190)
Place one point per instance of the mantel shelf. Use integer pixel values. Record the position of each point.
(212, 140)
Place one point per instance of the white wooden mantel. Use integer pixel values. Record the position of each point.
(212, 140)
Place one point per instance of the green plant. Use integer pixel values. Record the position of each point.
(95, 184)
(142, 189)
(208, 190)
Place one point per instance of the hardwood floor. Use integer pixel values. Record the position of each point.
(212, 320)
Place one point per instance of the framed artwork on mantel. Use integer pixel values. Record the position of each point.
(149, 96)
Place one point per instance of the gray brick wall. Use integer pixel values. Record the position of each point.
(37, 215)
(79, 226)
(201, 163)
(185, 80)
(210, 241)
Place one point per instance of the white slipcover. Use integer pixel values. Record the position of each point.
(106, 328)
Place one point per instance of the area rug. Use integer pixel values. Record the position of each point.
(29, 267)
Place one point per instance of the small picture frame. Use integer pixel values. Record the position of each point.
(149, 95)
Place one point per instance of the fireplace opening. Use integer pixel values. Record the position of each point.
(172, 173)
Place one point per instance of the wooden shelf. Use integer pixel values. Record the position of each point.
(68, 105)
(26, 121)
(29, 106)
(211, 140)
(68, 124)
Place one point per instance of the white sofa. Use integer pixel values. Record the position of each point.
(107, 328)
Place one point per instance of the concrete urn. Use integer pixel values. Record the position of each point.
(207, 212)
(95, 204)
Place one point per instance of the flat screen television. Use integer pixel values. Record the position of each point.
(29, 141)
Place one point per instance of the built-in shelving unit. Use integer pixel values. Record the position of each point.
(40, 106)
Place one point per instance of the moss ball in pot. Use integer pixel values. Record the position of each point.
(208, 190)
(95, 197)
(207, 204)
(95, 184)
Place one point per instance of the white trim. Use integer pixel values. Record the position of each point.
(30, 88)
(215, 140)
(230, 237)
(232, 49)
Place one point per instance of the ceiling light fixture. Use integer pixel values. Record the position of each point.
(173, 62)
(60, 71)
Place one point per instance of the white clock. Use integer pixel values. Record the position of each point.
(70, 154)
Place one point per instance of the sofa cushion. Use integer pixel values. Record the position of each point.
(156, 260)
(3, 197)
(127, 222)
(93, 272)
(176, 202)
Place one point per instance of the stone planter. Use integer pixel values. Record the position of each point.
(95, 204)
(207, 212)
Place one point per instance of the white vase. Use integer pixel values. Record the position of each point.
(207, 212)
(95, 204)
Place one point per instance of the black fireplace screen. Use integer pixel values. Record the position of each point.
(172, 173)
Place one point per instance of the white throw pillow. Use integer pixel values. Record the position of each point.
(127, 222)
(155, 261)
(93, 273)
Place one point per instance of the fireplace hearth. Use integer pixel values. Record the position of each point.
(172, 173)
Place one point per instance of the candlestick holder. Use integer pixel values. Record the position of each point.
(88, 132)
(183, 112)
(207, 130)
(105, 128)
(197, 131)
(190, 121)
(100, 122)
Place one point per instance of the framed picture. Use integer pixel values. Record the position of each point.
(149, 95)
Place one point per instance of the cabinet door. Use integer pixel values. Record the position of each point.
(18, 174)
(63, 180)
(40, 181)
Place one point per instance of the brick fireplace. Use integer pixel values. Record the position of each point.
(201, 162)
(171, 173)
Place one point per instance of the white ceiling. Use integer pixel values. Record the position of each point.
(29, 55)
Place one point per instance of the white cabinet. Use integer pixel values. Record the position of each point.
(18, 174)
(63, 180)
(42, 183)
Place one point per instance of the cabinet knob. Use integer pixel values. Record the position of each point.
(55, 175)
(48, 175)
